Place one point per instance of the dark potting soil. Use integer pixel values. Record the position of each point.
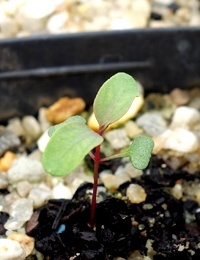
(61, 230)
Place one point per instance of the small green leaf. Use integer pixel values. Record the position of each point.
(114, 98)
(140, 151)
(68, 145)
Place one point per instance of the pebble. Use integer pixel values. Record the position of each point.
(39, 196)
(20, 211)
(137, 256)
(185, 117)
(132, 172)
(152, 123)
(132, 129)
(9, 141)
(112, 182)
(178, 139)
(15, 125)
(8, 28)
(61, 191)
(177, 191)
(23, 18)
(76, 178)
(33, 19)
(57, 23)
(35, 155)
(26, 242)
(6, 161)
(64, 108)
(44, 123)
(136, 194)
(31, 127)
(24, 168)
(23, 188)
(140, 11)
(179, 96)
(3, 180)
(181, 140)
(43, 141)
(11, 250)
(195, 102)
(117, 138)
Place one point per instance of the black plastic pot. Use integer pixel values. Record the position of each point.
(36, 71)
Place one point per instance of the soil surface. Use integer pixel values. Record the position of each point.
(61, 229)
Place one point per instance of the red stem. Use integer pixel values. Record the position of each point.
(95, 185)
(97, 159)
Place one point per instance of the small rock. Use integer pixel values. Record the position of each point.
(137, 256)
(3, 181)
(6, 161)
(175, 162)
(8, 141)
(26, 242)
(31, 127)
(197, 194)
(8, 28)
(181, 140)
(180, 97)
(117, 138)
(31, 18)
(39, 196)
(112, 182)
(152, 123)
(76, 178)
(132, 129)
(43, 141)
(24, 168)
(64, 108)
(185, 117)
(44, 123)
(23, 188)
(11, 250)
(140, 10)
(60, 191)
(15, 125)
(8, 200)
(30, 8)
(135, 193)
(133, 172)
(177, 191)
(20, 212)
(36, 155)
(57, 22)
(195, 103)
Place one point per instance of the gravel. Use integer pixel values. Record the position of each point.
(19, 18)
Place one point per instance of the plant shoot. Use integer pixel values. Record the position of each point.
(72, 140)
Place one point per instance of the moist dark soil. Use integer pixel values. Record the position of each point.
(61, 229)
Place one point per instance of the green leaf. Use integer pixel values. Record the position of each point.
(140, 151)
(68, 145)
(73, 118)
(114, 98)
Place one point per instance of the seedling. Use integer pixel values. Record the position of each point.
(72, 140)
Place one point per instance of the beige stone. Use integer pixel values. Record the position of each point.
(64, 108)
(11, 250)
(180, 97)
(112, 182)
(26, 242)
(135, 193)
